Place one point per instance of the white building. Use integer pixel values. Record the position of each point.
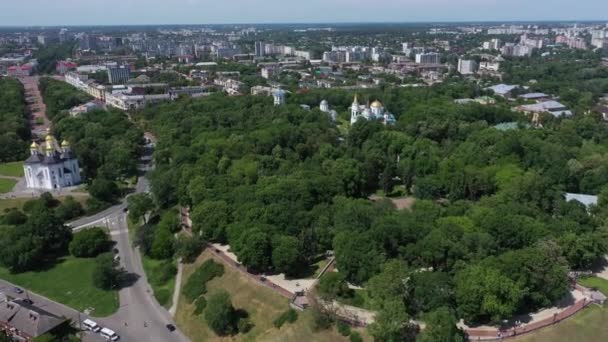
(428, 58)
(51, 167)
(375, 111)
(324, 107)
(279, 97)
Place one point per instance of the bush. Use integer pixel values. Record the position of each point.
(163, 296)
(89, 243)
(69, 209)
(165, 272)
(104, 190)
(244, 325)
(197, 283)
(189, 248)
(288, 316)
(200, 305)
(105, 274)
(220, 314)
(355, 337)
(343, 328)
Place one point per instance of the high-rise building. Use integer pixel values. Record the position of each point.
(259, 49)
(119, 74)
(428, 58)
(467, 66)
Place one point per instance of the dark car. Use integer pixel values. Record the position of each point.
(18, 290)
(171, 327)
(115, 250)
(27, 301)
(125, 209)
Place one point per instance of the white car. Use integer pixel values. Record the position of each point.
(91, 326)
(109, 335)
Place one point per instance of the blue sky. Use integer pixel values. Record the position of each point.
(134, 12)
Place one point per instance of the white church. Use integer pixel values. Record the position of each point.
(52, 166)
(375, 111)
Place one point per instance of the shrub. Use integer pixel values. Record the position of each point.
(89, 243)
(343, 328)
(244, 325)
(321, 320)
(197, 283)
(69, 209)
(220, 314)
(162, 296)
(355, 337)
(163, 273)
(105, 274)
(200, 305)
(288, 316)
(189, 248)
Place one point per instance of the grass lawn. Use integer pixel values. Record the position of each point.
(162, 292)
(17, 203)
(596, 283)
(588, 325)
(7, 185)
(70, 283)
(12, 169)
(262, 304)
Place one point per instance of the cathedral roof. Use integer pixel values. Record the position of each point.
(377, 104)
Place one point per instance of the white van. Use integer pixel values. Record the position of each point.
(109, 334)
(90, 325)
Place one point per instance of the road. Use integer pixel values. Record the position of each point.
(139, 317)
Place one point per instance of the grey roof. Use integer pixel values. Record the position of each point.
(34, 159)
(586, 200)
(28, 319)
(533, 96)
(502, 89)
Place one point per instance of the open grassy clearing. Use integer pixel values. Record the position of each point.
(163, 291)
(262, 304)
(12, 169)
(69, 282)
(17, 203)
(588, 325)
(7, 185)
(595, 283)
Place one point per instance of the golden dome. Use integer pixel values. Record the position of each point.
(49, 147)
(34, 145)
(65, 143)
(376, 104)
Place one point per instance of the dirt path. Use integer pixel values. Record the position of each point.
(36, 106)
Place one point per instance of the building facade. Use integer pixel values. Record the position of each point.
(375, 111)
(119, 75)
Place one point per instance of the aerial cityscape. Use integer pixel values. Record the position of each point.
(327, 171)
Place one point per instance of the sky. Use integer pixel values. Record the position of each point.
(142, 12)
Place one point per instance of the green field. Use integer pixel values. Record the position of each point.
(163, 292)
(263, 306)
(588, 325)
(69, 282)
(12, 169)
(596, 283)
(7, 185)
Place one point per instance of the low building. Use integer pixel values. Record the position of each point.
(85, 108)
(503, 90)
(552, 107)
(587, 200)
(24, 322)
(64, 66)
(20, 70)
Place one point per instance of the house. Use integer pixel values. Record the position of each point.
(20, 70)
(26, 322)
(503, 90)
(535, 96)
(586, 200)
(64, 66)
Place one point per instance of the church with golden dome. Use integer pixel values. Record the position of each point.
(373, 111)
(51, 166)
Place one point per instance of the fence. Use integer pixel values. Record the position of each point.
(498, 334)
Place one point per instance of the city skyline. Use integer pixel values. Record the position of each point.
(161, 12)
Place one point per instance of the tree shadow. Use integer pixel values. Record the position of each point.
(128, 280)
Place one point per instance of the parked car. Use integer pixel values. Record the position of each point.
(18, 290)
(171, 327)
(27, 301)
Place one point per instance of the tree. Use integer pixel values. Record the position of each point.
(441, 327)
(357, 256)
(69, 209)
(163, 245)
(332, 286)
(105, 274)
(286, 255)
(391, 284)
(220, 315)
(189, 248)
(392, 324)
(104, 190)
(211, 218)
(256, 250)
(89, 243)
(484, 293)
(139, 205)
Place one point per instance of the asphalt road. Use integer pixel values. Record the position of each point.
(139, 317)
